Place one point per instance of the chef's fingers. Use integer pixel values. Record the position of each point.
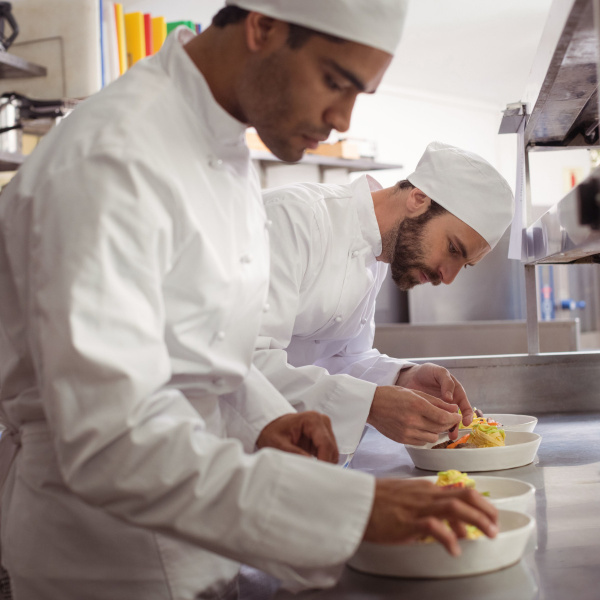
(438, 415)
(470, 507)
(286, 446)
(418, 437)
(318, 437)
(459, 528)
(461, 400)
(431, 526)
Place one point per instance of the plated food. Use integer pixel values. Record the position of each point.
(520, 449)
(432, 561)
(479, 418)
(502, 492)
(480, 435)
(508, 422)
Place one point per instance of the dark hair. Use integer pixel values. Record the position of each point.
(297, 36)
(229, 15)
(405, 184)
(434, 209)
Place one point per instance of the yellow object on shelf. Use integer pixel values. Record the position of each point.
(342, 149)
(159, 32)
(121, 43)
(254, 142)
(135, 37)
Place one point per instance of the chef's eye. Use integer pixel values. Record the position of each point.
(332, 83)
(453, 249)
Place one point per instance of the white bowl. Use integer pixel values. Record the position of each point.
(504, 492)
(432, 561)
(520, 450)
(513, 422)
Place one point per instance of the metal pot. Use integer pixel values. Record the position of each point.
(17, 110)
(11, 130)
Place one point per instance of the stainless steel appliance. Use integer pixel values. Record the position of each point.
(18, 111)
(560, 106)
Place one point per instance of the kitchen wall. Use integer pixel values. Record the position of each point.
(401, 121)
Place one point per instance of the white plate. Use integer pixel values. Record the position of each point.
(432, 561)
(520, 450)
(513, 422)
(504, 492)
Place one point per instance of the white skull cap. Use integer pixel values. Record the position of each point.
(375, 23)
(467, 186)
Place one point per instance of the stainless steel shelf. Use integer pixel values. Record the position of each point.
(359, 164)
(565, 113)
(12, 66)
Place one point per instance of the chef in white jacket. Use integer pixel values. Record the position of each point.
(133, 277)
(330, 250)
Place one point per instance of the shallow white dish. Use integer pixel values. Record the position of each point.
(504, 492)
(432, 561)
(513, 422)
(520, 450)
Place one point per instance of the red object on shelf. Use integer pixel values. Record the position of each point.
(148, 34)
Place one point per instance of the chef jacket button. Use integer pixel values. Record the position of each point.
(268, 223)
(214, 162)
(354, 253)
(338, 319)
(219, 382)
(317, 341)
(246, 258)
(220, 335)
(266, 307)
(363, 321)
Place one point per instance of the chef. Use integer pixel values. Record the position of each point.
(133, 277)
(330, 250)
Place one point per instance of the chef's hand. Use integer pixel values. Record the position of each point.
(308, 433)
(408, 510)
(411, 417)
(437, 381)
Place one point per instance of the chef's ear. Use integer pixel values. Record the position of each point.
(263, 32)
(417, 203)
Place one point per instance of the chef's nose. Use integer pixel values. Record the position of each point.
(338, 116)
(449, 272)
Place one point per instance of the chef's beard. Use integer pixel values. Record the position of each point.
(407, 248)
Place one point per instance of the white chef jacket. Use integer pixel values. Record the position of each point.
(316, 341)
(133, 276)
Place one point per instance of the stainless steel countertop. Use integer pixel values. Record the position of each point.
(562, 561)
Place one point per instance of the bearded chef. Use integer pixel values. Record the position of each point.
(330, 250)
(133, 277)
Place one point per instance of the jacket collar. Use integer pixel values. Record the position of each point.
(227, 133)
(361, 191)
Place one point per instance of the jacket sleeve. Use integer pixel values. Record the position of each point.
(251, 407)
(297, 232)
(359, 358)
(125, 440)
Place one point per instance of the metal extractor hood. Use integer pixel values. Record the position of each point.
(563, 113)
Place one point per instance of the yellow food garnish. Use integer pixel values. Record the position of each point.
(454, 477)
(487, 436)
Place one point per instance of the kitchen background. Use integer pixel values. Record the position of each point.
(459, 64)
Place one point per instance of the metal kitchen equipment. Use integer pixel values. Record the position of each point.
(559, 109)
(6, 17)
(560, 106)
(18, 111)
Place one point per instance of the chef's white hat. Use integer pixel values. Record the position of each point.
(375, 23)
(467, 186)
